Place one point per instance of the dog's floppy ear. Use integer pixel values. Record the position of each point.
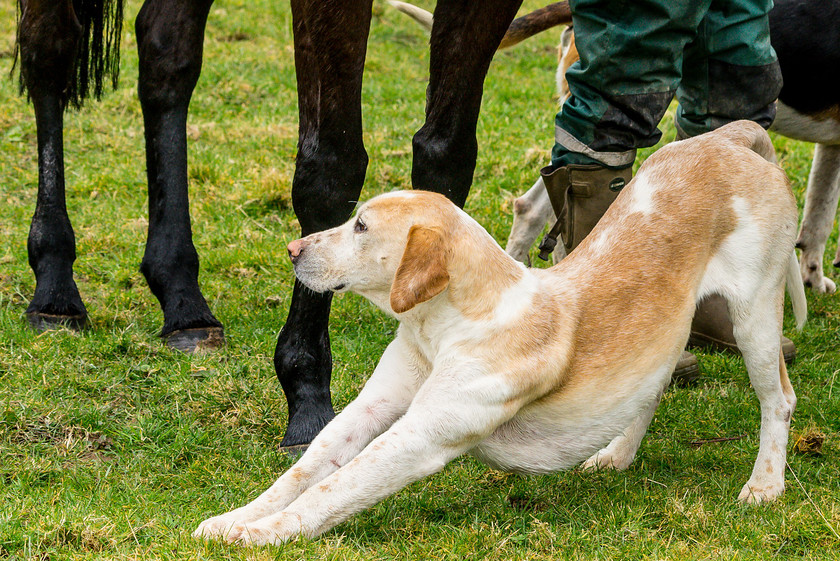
(422, 272)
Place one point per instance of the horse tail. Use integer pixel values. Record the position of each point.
(97, 59)
(520, 29)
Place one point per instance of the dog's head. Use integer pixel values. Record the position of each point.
(394, 251)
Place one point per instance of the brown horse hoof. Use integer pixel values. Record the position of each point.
(196, 339)
(41, 322)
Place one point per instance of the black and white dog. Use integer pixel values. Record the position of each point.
(806, 37)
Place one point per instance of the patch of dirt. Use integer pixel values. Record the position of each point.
(93, 444)
(809, 443)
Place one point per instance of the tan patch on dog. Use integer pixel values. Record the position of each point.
(472, 266)
(832, 113)
(566, 57)
(662, 253)
(422, 273)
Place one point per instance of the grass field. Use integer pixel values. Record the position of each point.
(114, 447)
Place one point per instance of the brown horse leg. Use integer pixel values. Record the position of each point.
(170, 35)
(465, 35)
(330, 46)
(49, 34)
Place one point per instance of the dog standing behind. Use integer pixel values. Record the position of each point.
(535, 370)
(806, 37)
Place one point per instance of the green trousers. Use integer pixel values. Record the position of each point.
(636, 55)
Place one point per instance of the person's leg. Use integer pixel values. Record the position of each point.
(629, 69)
(730, 71)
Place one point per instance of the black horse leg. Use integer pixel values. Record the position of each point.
(49, 34)
(465, 36)
(170, 35)
(330, 46)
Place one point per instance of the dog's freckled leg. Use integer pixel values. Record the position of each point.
(757, 329)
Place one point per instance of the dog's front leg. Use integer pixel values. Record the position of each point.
(531, 211)
(439, 426)
(385, 397)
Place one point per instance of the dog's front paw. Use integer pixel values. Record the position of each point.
(828, 286)
(271, 530)
(249, 534)
(813, 277)
(755, 493)
(215, 527)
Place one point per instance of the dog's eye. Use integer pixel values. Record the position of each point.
(359, 226)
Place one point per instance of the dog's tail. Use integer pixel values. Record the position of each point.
(520, 29)
(751, 135)
(796, 291)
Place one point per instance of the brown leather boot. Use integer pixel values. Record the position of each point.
(580, 195)
(711, 328)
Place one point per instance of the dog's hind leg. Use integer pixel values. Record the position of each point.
(820, 207)
(621, 451)
(757, 327)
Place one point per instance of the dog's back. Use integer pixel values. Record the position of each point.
(688, 196)
(706, 215)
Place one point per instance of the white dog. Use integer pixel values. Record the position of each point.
(535, 370)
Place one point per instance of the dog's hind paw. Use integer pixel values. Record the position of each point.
(755, 493)
(607, 459)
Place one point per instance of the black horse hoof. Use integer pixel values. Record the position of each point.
(294, 452)
(41, 322)
(196, 339)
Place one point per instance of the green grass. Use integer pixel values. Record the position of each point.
(112, 446)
